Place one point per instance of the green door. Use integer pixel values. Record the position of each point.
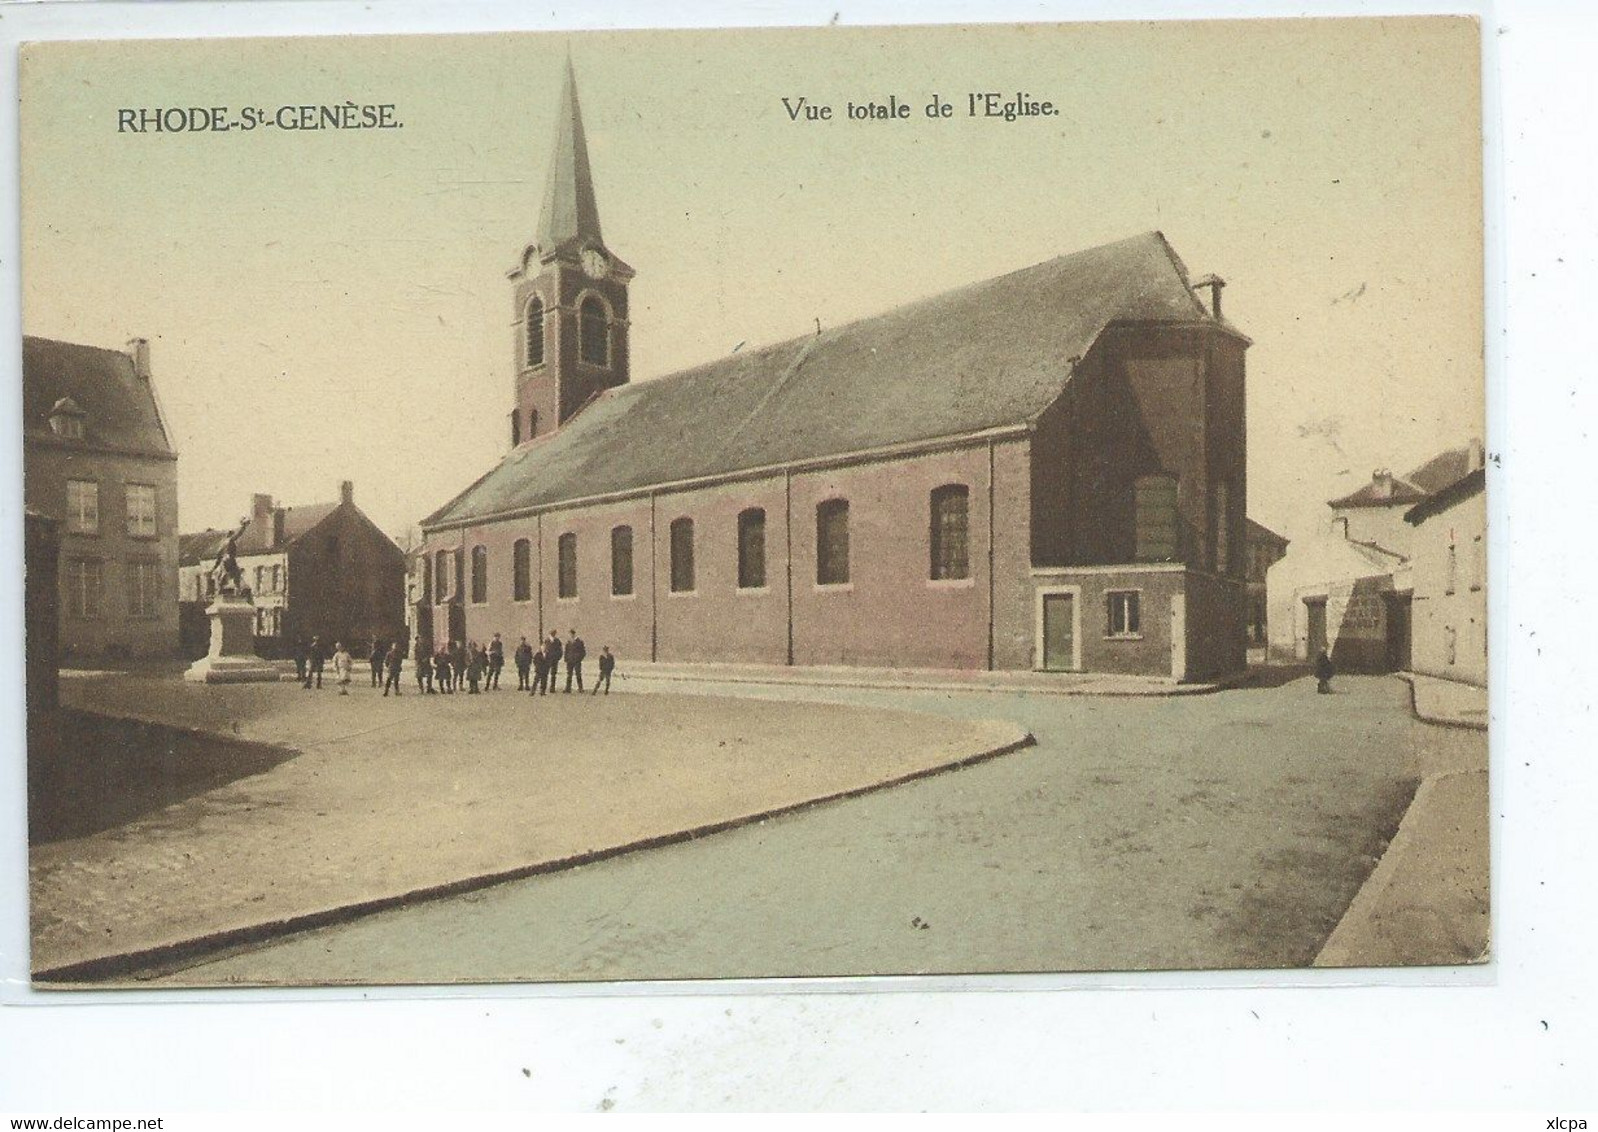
(1059, 632)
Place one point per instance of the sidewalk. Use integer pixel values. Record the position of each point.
(1427, 901)
(388, 801)
(1448, 703)
(923, 679)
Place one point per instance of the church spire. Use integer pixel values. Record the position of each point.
(571, 215)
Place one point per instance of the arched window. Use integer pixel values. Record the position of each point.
(751, 549)
(593, 335)
(535, 333)
(441, 574)
(621, 561)
(521, 570)
(682, 556)
(832, 543)
(566, 565)
(479, 574)
(950, 526)
(1155, 519)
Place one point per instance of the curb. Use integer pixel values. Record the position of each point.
(1366, 898)
(1156, 690)
(165, 954)
(1435, 720)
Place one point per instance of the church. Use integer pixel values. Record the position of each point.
(1041, 471)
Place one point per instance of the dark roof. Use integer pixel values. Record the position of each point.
(1471, 483)
(118, 406)
(1415, 485)
(1258, 532)
(200, 547)
(989, 355)
(297, 523)
(571, 216)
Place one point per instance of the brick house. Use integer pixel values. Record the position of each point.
(1044, 470)
(322, 569)
(98, 459)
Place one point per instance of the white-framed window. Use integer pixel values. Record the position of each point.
(83, 507)
(141, 510)
(1124, 613)
(277, 578)
(85, 585)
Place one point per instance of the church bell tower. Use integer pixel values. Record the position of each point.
(570, 293)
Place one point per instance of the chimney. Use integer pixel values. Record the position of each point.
(1475, 455)
(277, 525)
(261, 511)
(1214, 283)
(1382, 483)
(346, 492)
(139, 351)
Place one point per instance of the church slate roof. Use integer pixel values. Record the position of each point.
(985, 356)
(118, 407)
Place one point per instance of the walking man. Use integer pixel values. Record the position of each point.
(607, 665)
(376, 658)
(524, 662)
(396, 661)
(496, 662)
(424, 667)
(575, 652)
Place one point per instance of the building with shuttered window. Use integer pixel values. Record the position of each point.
(1040, 471)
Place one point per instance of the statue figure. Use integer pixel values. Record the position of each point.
(229, 578)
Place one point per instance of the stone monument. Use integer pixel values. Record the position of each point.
(231, 659)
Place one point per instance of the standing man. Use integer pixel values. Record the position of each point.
(376, 658)
(541, 669)
(607, 665)
(315, 659)
(442, 675)
(423, 660)
(396, 661)
(496, 662)
(575, 652)
(524, 662)
(552, 652)
(343, 667)
(302, 652)
(1323, 673)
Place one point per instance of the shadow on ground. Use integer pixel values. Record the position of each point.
(88, 773)
(1273, 676)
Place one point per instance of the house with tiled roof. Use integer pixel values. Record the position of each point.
(1350, 590)
(319, 569)
(1042, 470)
(98, 460)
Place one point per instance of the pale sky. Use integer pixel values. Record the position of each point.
(327, 306)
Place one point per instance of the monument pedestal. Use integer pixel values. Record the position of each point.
(232, 658)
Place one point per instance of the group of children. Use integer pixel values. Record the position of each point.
(470, 666)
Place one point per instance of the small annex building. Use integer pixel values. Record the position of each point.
(1045, 470)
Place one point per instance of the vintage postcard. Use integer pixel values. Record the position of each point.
(834, 502)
